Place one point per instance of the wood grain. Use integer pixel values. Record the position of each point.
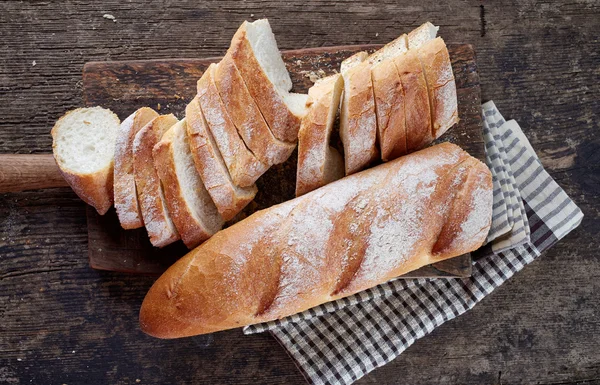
(62, 322)
(168, 85)
(29, 172)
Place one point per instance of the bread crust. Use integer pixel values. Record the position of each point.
(228, 198)
(243, 166)
(441, 86)
(126, 201)
(358, 123)
(192, 232)
(417, 112)
(95, 189)
(284, 124)
(159, 225)
(246, 115)
(348, 236)
(319, 163)
(389, 108)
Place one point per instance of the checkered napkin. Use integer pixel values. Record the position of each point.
(341, 341)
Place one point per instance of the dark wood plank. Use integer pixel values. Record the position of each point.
(538, 60)
(168, 85)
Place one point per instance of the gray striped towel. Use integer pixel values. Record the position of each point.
(341, 341)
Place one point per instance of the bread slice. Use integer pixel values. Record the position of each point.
(358, 123)
(255, 53)
(389, 99)
(190, 206)
(243, 166)
(83, 143)
(228, 198)
(159, 225)
(246, 115)
(419, 36)
(318, 162)
(440, 84)
(416, 101)
(126, 201)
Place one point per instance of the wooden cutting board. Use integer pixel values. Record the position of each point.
(168, 85)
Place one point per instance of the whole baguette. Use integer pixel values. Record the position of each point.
(345, 237)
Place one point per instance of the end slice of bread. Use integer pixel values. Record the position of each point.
(246, 115)
(255, 53)
(159, 225)
(440, 84)
(126, 202)
(190, 206)
(318, 162)
(358, 122)
(83, 144)
(228, 198)
(243, 166)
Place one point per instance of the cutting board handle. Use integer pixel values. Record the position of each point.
(29, 172)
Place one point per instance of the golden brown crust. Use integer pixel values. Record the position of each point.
(358, 124)
(228, 198)
(318, 162)
(94, 189)
(243, 166)
(192, 233)
(159, 226)
(440, 84)
(126, 201)
(389, 107)
(246, 116)
(282, 122)
(416, 107)
(345, 237)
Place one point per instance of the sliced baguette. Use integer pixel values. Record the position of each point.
(159, 225)
(416, 101)
(190, 206)
(318, 162)
(126, 201)
(358, 123)
(246, 115)
(228, 198)
(255, 53)
(243, 166)
(440, 84)
(83, 144)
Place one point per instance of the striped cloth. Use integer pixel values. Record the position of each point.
(341, 341)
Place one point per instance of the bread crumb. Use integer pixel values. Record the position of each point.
(377, 34)
(138, 380)
(251, 15)
(110, 17)
(86, 122)
(299, 62)
(158, 106)
(33, 63)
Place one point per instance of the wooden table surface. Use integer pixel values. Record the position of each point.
(63, 323)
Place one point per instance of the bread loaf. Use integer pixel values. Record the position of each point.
(345, 237)
(83, 144)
